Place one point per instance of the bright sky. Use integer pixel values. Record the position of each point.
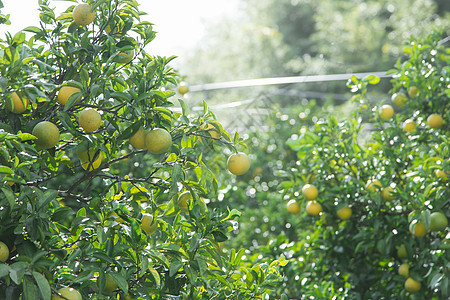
(178, 23)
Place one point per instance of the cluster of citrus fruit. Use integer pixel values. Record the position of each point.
(386, 111)
(438, 220)
(313, 207)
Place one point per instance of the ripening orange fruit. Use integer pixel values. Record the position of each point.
(18, 105)
(148, 224)
(293, 207)
(409, 126)
(435, 121)
(387, 193)
(47, 135)
(403, 270)
(412, 286)
(183, 88)
(344, 213)
(238, 163)
(158, 141)
(138, 139)
(373, 185)
(417, 228)
(67, 293)
(310, 192)
(386, 112)
(399, 99)
(83, 14)
(4, 252)
(89, 119)
(183, 201)
(65, 92)
(124, 57)
(313, 208)
(413, 91)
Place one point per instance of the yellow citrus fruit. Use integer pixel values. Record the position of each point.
(110, 284)
(417, 228)
(313, 208)
(68, 293)
(403, 270)
(147, 224)
(65, 92)
(47, 134)
(412, 285)
(293, 207)
(440, 174)
(258, 171)
(438, 221)
(435, 121)
(88, 158)
(401, 251)
(89, 119)
(387, 193)
(310, 192)
(344, 213)
(413, 91)
(83, 14)
(19, 105)
(4, 252)
(373, 185)
(125, 57)
(409, 125)
(183, 201)
(386, 112)
(158, 141)
(183, 88)
(138, 139)
(399, 99)
(238, 163)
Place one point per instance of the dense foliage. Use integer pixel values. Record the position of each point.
(84, 203)
(329, 255)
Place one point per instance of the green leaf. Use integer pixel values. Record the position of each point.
(435, 280)
(74, 98)
(120, 281)
(4, 270)
(219, 236)
(9, 196)
(17, 271)
(81, 212)
(191, 274)
(129, 131)
(66, 121)
(46, 198)
(103, 257)
(26, 137)
(371, 79)
(6, 170)
(29, 289)
(156, 276)
(174, 267)
(43, 285)
(33, 29)
(84, 276)
(184, 107)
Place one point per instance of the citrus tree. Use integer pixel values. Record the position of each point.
(374, 190)
(104, 186)
(358, 204)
